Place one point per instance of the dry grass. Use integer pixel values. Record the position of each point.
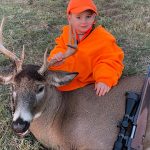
(36, 24)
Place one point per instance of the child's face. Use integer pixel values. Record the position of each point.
(82, 22)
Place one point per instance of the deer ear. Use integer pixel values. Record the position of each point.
(58, 78)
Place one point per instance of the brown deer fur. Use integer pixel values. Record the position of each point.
(84, 120)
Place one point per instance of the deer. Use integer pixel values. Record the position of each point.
(73, 120)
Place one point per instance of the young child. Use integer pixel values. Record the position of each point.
(98, 59)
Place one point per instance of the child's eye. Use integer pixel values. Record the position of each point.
(89, 16)
(78, 17)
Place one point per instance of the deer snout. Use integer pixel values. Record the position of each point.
(20, 126)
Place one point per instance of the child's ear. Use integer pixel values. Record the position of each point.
(94, 15)
(95, 19)
(69, 17)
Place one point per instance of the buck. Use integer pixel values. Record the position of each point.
(65, 120)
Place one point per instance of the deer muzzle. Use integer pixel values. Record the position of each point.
(20, 127)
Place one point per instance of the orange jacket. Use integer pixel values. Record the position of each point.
(98, 59)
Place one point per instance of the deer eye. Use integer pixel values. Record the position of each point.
(40, 92)
(40, 89)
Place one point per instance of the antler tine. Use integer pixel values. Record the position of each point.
(20, 62)
(72, 42)
(1, 28)
(72, 48)
(6, 52)
(44, 66)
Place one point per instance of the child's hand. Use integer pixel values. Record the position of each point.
(59, 57)
(101, 88)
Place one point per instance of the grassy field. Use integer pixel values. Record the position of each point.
(36, 23)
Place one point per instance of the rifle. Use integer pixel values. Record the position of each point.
(133, 124)
(142, 115)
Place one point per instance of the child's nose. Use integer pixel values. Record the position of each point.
(83, 22)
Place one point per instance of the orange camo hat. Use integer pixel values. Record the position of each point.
(78, 6)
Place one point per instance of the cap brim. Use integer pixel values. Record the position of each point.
(81, 9)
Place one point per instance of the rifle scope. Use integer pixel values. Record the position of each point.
(132, 100)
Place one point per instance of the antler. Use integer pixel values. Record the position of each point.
(8, 53)
(72, 48)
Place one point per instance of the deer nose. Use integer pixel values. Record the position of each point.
(20, 126)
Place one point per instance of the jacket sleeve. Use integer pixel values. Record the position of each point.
(108, 64)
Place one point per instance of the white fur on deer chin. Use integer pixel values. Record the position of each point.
(23, 134)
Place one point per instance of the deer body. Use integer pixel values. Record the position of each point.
(75, 120)
(84, 120)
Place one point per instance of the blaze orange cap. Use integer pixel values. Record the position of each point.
(78, 6)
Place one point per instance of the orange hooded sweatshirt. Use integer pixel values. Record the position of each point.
(98, 59)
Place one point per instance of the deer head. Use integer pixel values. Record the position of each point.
(33, 85)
